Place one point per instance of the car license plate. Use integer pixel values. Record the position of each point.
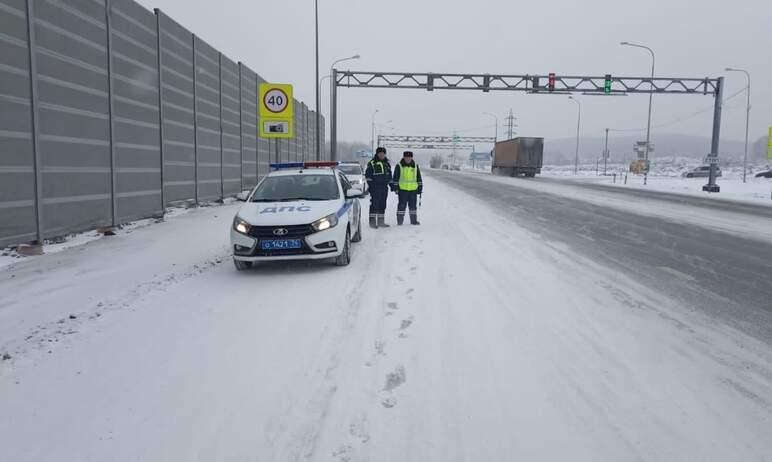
(280, 244)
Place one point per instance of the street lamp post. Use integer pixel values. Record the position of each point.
(578, 125)
(651, 94)
(496, 133)
(316, 79)
(380, 129)
(372, 130)
(319, 135)
(747, 117)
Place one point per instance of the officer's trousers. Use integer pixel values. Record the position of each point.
(378, 196)
(409, 200)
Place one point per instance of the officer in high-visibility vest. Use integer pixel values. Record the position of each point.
(378, 175)
(408, 185)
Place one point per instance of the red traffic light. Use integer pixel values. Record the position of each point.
(551, 81)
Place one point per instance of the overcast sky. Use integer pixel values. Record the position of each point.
(690, 38)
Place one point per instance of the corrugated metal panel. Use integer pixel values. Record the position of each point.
(108, 138)
(17, 174)
(310, 146)
(248, 127)
(325, 153)
(208, 148)
(302, 123)
(176, 44)
(136, 131)
(231, 126)
(265, 148)
(74, 137)
(294, 145)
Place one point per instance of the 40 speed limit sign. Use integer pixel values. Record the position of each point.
(276, 111)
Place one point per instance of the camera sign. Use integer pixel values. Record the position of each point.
(276, 110)
(275, 126)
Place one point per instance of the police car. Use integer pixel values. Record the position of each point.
(355, 174)
(299, 211)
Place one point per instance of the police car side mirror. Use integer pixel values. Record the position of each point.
(354, 193)
(242, 196)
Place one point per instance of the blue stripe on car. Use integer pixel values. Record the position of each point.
(344, 208)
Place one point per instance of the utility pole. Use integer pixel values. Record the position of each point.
(510, 124)
(605, 154)
(372, 131)
(578, 124)
(453, 155)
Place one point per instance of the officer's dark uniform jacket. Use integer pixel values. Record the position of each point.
(378, 175)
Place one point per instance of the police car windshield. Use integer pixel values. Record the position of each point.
(297, 187)
(350, 169)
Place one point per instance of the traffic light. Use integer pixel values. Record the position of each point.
(607, 84)
(551, 81)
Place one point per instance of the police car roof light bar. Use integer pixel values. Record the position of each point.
(286, 165)
(321, 164)
(301, 165)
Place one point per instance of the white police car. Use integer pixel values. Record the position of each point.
(355, 174)
(299, 211)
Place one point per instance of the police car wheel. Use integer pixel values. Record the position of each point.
(242, 265)
(358, 235)
(345, 257)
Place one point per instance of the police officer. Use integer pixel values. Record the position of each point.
(408, 185)
(378, 175)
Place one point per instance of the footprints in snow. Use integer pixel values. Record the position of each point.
(393, 380)
(359, 433)
(404, 326)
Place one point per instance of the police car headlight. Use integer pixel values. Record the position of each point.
(325, 223)
(241, 226)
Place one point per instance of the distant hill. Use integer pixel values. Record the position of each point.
(561, 150)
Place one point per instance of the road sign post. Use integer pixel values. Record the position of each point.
(276, 111)
(769, 144)
(769, 150)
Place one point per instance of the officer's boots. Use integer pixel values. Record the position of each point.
(400, 218)
(414, 218)
(382, 221)
(373, 220)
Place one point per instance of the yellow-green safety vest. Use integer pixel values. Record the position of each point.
(408, 178)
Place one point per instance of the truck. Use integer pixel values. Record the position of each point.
(518, 156)
(436, 161)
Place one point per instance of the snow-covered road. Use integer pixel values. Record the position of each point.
(469, 338)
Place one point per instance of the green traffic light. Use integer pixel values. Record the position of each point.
(607, 84)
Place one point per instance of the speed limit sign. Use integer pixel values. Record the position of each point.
(275, 100)
(276, 111)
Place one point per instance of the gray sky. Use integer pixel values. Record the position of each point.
(690, 38)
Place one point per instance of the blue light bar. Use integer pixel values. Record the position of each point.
(286, 165)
